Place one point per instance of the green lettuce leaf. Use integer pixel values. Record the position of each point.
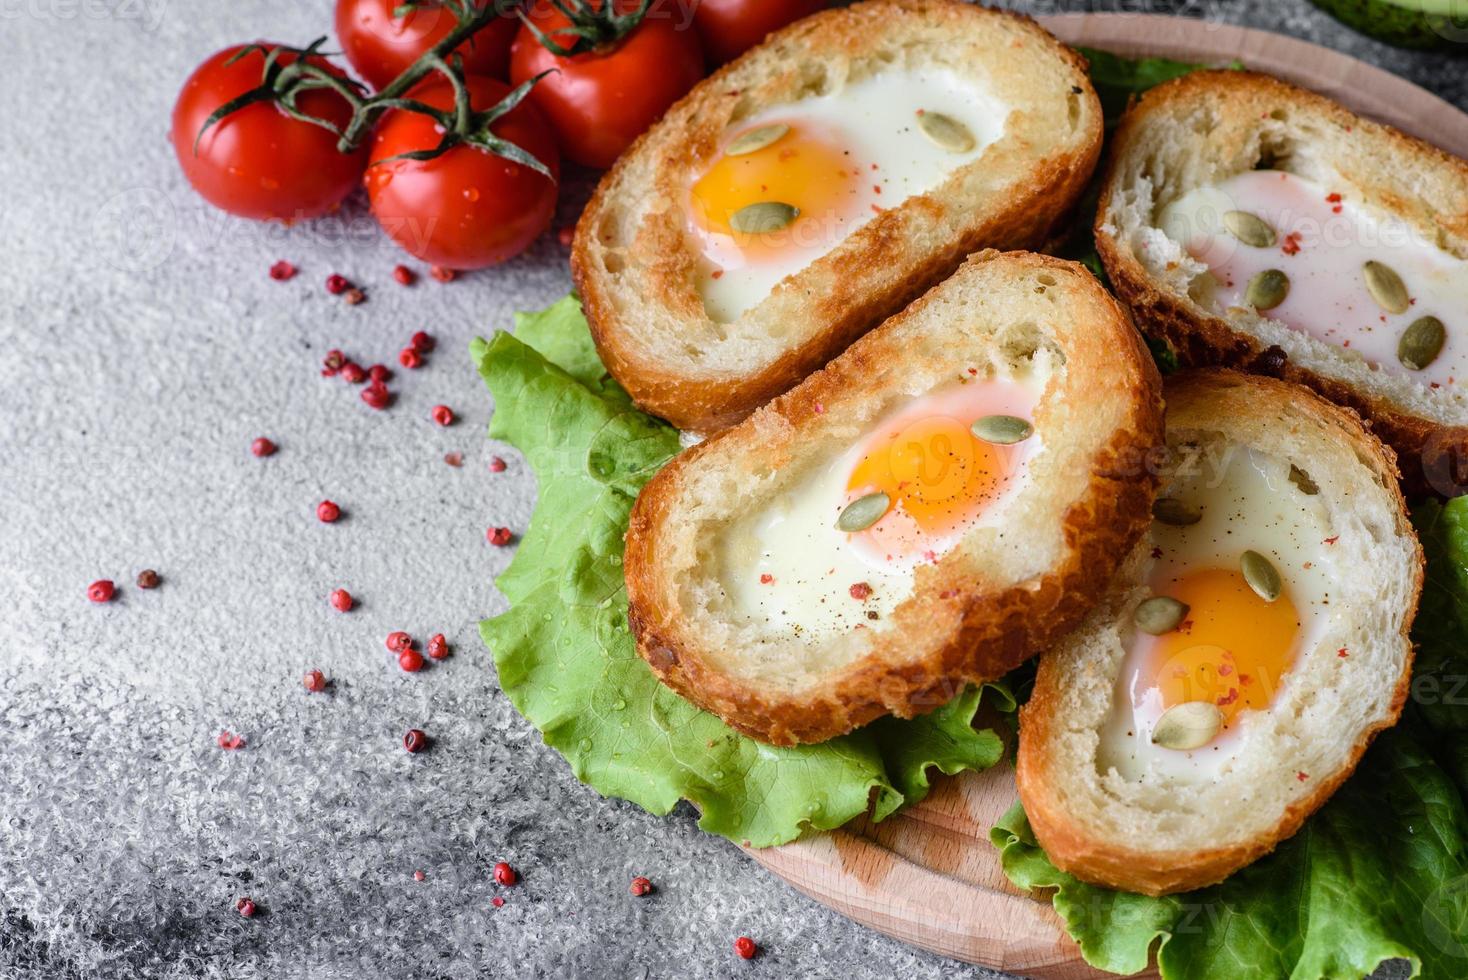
(1381, 872)
(567, 661)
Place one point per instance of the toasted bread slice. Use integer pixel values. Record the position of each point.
(1369, 192)
(718, 539)
(640, 261)
(1114, 794)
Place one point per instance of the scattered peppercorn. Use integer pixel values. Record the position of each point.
(745, 947)
(341, 600)
(353, 373)
(417, 875)
(861, 592)
(262, 447)
(377, 396)
(497, 902)
(332, 363)
(497, 465)
(415, 740)
(327, 512)
(640, 886)
(336, 285)
(505, 875)
(245, 907)
(282, 270)
(443, 415)
(148, 579)
(380, 374)
(315, 681)
(441, 274)
(101, 590)
(229, 741)
(404, 275)
(422, 342)
(409, 358)
(398, 641)
(500, 536)
(438, 646)
(410, 660)
(454, 459)
(354, 296)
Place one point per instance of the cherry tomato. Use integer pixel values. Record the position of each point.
(728, 28)
(259, 162)
(599, 101)
(466, 208)
(380, 46)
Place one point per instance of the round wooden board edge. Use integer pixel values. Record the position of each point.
(1014, 932)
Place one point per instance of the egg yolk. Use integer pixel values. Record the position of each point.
(936, 474)
(1232, 649)
(804, 169)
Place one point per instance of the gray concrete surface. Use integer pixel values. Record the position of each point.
(143, 348)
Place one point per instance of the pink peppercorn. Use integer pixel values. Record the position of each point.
(398, 641)
(327, 512)
(640, 886)
(422, 342)
(415, 740)
(341, 600)
(262, 447)
(745, 947)
(861, 591)
(504, 874)
(443, 415)
(315, 681)
(229, 741)
(438, 647)
(282, 270)
(417, 875)
(377, 396)
(404, 275)
(497, 902)
(380, 374)
(332, 363)
(101, 590)
(245, 907)
(499, 536)
(353, 373)
(497, 465)
(336, 285)
(410, 660)
(441, 274)
(409, 358)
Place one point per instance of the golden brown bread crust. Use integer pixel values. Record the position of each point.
(1432, 455)
(1113, 862)
(837, 301)
(963, 631)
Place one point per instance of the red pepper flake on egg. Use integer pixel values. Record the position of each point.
(861, 592)
(1291, 244)
(1342, 653)
(766, 578)
(1302, 776)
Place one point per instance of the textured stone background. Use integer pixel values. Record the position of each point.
(143, 347)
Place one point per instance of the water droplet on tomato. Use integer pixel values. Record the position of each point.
(471, 193)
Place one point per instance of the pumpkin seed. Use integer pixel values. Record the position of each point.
(764, 216)
(1268, 289)
(1250, 229)
(1003, 430)
(1386, 287)
(756, 139)
(945, 132)
(1421, 343)
(863, 512)
(1302, 481)
(1160, 614)
(1186, 726)
(1170, 510)
(1261, 575)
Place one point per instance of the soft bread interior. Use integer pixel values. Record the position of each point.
(638, 264)
(1157, 833)
(970, 614)
(1205, 128)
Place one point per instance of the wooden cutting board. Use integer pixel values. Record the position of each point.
(929, 876)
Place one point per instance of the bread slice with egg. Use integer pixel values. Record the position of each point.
(1163, 748)
(815, 186)
(1317, 193)
(1000, 424)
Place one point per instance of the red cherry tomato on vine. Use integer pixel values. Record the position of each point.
(601, 100)
(259, 162)
(380, 46)
(728, 28)
(467, 208)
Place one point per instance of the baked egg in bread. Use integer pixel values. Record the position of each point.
(1253, 224)
(939, 503)
(815, 186)
(1250, 648)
